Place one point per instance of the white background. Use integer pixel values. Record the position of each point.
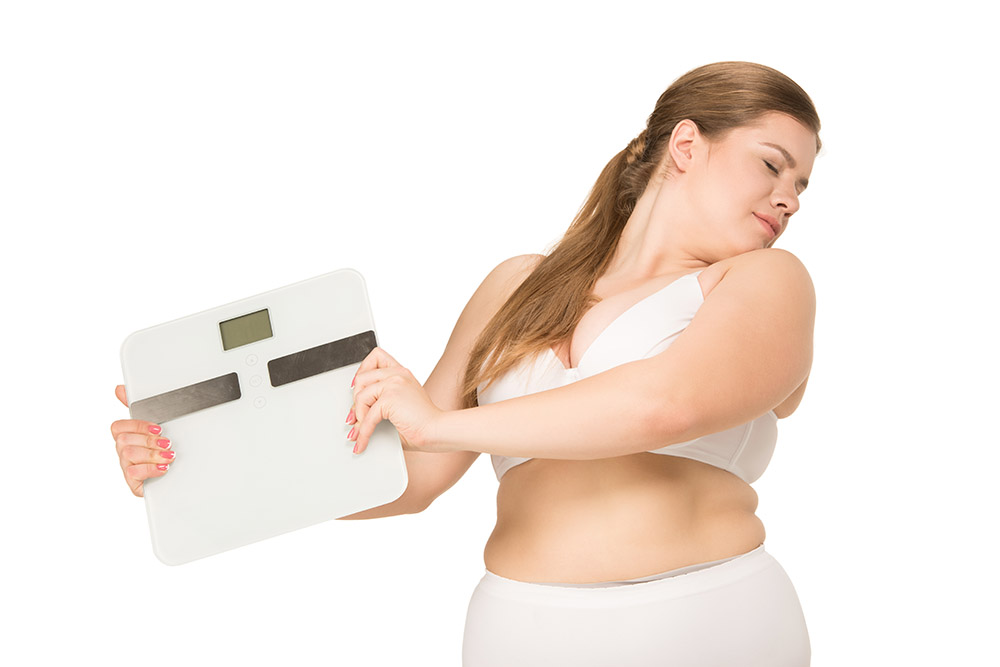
(159, 159)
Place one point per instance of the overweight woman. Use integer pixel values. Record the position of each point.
(627, 387)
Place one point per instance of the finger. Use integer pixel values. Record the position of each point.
(120, 393)
(367, 426)
(377, 358)
(135, 475)
(368, 412)
(140, 460)
(134, 426)
(361, 407)
(366, 381)
(373, 388)
(135, 448)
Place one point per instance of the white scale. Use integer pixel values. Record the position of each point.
(253, 397)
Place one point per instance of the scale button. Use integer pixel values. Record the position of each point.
(256, 380)
(251, 359)
(259, 402)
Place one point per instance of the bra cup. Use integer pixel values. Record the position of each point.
(647, 328)
(755, 454)
(744, 450)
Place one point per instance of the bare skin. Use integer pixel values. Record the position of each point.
(623, 517)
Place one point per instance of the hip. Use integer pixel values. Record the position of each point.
(742, 611)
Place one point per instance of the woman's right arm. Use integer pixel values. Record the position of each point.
(429, 474)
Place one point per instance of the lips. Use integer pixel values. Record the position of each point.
(769, 222)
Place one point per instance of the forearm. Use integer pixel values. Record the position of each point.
(610, 414)
(400, 506)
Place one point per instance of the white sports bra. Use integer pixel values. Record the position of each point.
(645, 329)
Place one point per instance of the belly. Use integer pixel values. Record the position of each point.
(620, 518)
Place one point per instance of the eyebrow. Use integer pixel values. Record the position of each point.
(804, 182)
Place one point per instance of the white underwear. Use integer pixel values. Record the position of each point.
(741, 611)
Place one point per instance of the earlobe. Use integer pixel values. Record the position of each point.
(681, 145)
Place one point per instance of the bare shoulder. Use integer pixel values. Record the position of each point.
(773, 260)
(488, 298)
(497, 287)
(493, 292)
(506, 277)
(774, 270)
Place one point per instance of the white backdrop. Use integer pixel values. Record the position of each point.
(159, 159)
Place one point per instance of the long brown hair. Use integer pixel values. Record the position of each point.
(547, 306)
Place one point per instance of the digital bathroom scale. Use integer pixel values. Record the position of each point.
(253, 397)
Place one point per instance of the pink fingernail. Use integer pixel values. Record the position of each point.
(353, 379)
(167, 455)
(155, 430)
(161, 466)
(163, 442)
(350, 436)
(356, 448)
(350, 416)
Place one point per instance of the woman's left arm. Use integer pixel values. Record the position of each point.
(748, 348)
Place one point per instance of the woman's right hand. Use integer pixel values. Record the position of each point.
(143, 451)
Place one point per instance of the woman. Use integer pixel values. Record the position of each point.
(627, 386)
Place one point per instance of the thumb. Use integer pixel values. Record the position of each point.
(120, 393)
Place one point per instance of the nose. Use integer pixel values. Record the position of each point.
(785, 199)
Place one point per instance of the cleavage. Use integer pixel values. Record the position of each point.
(615, 306)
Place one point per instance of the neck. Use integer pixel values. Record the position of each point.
(654, 241)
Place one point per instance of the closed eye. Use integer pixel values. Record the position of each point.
(771, 166)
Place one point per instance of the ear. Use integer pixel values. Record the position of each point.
(682, 141)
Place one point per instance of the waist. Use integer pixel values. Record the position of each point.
(618, 519)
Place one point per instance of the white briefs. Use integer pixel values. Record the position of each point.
(739, 611)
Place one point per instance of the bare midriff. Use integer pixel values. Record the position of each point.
(615, 519)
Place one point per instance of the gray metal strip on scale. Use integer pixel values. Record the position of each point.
(192, 398)
(320, 359)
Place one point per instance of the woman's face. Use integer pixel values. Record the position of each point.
(747, 184)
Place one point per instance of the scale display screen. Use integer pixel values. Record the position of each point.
(244, 330)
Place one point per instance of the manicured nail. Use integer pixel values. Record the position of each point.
(350, 416)
(163, 442)
(162, 466)
(155, 430)
(353, 379)
(350, 436)
(356, 448)
(167, 454)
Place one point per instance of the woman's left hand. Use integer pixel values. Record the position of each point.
(383, 389)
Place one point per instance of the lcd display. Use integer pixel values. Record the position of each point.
(246, 329)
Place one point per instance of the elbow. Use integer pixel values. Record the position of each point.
(413, 502)
(406, 504)
(419, 497)
(418, 505)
